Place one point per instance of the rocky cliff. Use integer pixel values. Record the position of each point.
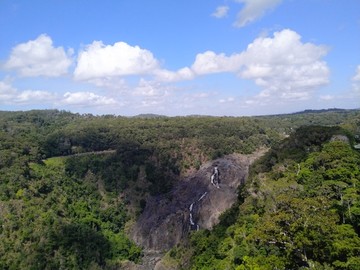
(194, 203)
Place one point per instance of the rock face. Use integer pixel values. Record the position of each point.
(194, 203)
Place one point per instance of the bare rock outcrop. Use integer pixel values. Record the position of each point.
(194, 203)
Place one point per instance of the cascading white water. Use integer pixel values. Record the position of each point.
(215, 177)
(192, 223)
(191, 207)
(202, 196)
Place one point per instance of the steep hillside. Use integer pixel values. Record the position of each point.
(193, 204)
(299, 210)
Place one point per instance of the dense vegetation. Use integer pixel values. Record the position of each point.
(300, 209)
(71, 184)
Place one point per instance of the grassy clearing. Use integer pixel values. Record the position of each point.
(55, 162)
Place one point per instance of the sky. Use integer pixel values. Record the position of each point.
(179, 57)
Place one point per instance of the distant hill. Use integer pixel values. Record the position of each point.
(323, 111)
(149, 116)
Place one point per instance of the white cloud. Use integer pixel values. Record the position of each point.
(253, 10)
(10, 95)
(220, 12)
(152, 95)
(281, 65)
(31, 96)
(171, 76)
(284, 66)
(87, 99)
(357, 74)
(210, 62)
(7, 91)
(39, 58)
(117, 84)
(99, 61)
(150, 89)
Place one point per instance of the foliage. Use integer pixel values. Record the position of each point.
(300, 212)
(69, 183)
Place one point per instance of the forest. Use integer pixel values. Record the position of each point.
(72, 185)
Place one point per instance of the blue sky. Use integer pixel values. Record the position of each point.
(209, 57)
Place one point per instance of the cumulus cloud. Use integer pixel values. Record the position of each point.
(220, 12)
(10, 95)
(39, 58)
(281, 65)
(87, 99)
(285, 66)
(174, 76)
(253, 10)
(29, 96)
(100, 61)
(205, 63)
(210, 62)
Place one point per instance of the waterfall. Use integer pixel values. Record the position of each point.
(191, 207)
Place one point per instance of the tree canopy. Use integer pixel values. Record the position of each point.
(70, 186)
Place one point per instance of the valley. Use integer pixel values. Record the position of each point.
(106, 192)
